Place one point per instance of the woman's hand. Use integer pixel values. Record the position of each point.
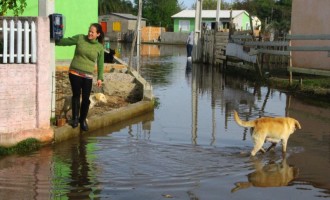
(99, 83)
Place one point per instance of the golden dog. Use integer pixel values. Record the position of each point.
(272, 129)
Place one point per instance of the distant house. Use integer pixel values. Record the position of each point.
(119, 26)
(184, 21)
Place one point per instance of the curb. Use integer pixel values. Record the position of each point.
(109, 118)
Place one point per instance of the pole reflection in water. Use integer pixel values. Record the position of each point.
(194, 104)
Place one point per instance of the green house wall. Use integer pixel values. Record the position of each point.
(191, 25)
(78, 15)
(243, 19)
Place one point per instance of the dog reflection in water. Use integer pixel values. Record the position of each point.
(269, 175)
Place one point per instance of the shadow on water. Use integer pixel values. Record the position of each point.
(188, 148)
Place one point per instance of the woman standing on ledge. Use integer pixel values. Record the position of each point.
(190, 44)
(89, 49)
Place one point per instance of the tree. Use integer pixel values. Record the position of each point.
(121, 6)
(159, 12)
(17, 6)
(273, 13)
(282, 16)
(212, 5)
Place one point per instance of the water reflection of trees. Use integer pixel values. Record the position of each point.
(157, 73)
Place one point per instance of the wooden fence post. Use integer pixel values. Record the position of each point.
(290, 63)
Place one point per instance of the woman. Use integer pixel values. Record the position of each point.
(190, 44)
(89, 49)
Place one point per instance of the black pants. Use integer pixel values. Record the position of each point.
(189, 50)
(81, 86)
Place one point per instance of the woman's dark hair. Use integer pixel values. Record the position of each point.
(100, 31)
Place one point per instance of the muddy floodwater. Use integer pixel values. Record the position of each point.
(188, 148)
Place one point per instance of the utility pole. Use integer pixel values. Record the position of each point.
(216, 29)
(135, 40)
(198, 27)
(218, 15)
(138, 37)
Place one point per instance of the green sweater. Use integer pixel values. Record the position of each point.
(87, 52)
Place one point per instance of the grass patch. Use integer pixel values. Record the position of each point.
(156, 102)
(312, 88)
(306, 84)
(316, 83)
(22, 147)
(315, 91)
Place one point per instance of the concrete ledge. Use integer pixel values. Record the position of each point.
(11, 139)
(109, 118)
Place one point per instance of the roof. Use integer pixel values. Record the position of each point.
(125, 16)
(208, 13)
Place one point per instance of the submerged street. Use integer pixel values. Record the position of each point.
(190, 147)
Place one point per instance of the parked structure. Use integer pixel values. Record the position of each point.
(310, 59)
(151, 34)
(305, 50)
(120, 26)
(184, 21)
(25, 83)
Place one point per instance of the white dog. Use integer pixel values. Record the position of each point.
(94, 99)
(97, 97)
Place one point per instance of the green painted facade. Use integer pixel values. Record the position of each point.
(243, 20)
(78, 15)
(191, 25)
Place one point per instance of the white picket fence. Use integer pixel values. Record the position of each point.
(19, 41)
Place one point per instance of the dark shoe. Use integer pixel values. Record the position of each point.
(83, 115)
(75, 112)
(84, 126)
(74, 123)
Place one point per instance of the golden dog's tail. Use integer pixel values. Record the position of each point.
(243, 123)
(297, 124)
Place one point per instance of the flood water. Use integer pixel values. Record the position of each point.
(188, 148)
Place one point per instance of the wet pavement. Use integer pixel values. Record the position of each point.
(189, 147)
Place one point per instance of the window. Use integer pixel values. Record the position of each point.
(116, 26)
(184, 25)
